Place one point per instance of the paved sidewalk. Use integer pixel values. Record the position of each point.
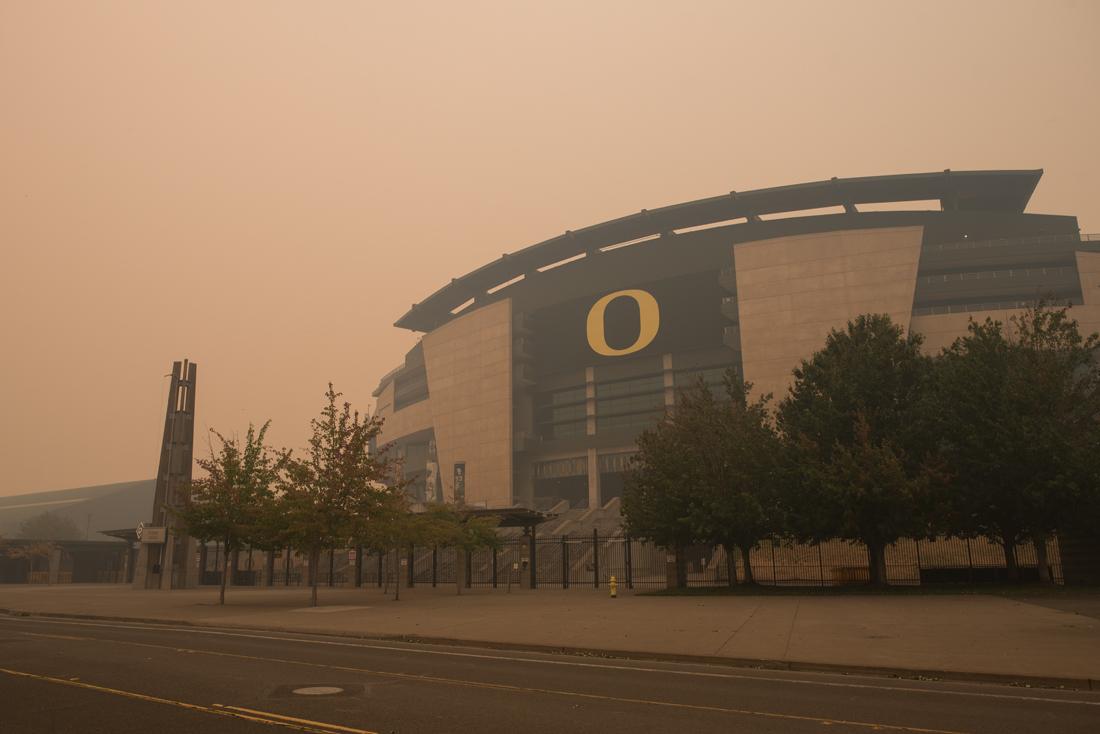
(952, 634)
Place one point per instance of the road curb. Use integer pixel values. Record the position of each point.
(1019, 681)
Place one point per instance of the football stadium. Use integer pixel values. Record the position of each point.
(535, 372)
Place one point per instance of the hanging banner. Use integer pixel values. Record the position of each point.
(460, 482)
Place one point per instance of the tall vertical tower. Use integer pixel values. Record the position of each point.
(170, 563)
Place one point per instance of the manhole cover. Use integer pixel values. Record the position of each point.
(318, 688)
(318, 691)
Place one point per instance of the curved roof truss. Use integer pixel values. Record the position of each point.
(1007, 191)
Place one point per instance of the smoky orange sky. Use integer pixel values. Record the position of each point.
(264, 187)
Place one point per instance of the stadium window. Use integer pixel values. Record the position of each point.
(630, 421)
(713, 377)
(630, 404)
(567, 396)
(561, 413)
(633, 386)
(564, 430)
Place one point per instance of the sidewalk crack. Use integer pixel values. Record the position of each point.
(790, 632)
(737, 629)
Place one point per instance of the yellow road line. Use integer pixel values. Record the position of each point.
(824, 721)
(296, 720)
(272, 720)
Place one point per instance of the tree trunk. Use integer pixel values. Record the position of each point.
(385, 571)
(681, 568)
(314, 563)
(746, 559)
(225, 575)
(396, 574)
(1011, 569)
(236, 564)
(460, 569)
(876, 563)
(1041, 560)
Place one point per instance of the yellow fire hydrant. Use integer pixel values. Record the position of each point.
(613, 585)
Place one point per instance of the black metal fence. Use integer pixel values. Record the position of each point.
(572, 561)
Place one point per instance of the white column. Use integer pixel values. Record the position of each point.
(669, 380)
(593, 479)
(590, 400)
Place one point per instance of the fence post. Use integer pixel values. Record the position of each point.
(412, 566)
(917, 542)
(820, 564)
(380, 554)
(970, 563)
(331, 565)
(494, 567)
(469, 570)
(595, 558)
(564, 563)
(286, 581)
(775, 578)
(629, 565)
(435, 565)
(534, 561)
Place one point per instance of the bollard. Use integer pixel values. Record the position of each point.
(613, 585)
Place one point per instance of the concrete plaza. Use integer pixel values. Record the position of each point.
(1047, 638)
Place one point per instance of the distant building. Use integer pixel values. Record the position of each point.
(92, 557)
(537, 371)
(92, 509)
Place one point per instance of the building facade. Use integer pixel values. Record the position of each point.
(536, 372)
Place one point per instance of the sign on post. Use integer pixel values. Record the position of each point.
(150, 533)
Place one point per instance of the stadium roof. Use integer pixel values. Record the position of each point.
(1006, 191)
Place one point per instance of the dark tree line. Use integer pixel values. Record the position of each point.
(997, 436)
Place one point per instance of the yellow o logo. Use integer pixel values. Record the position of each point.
(649, 321)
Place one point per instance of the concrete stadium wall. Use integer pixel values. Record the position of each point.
(408, 420)
(469, 365)
(792, 290)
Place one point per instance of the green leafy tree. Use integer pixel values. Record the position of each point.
(661, 499)
(1015, 411)
(850, 422)
(49, 526)
(450, 526)
(387, 525)
(879, 498)
(338, 487)
(739, 453)
(233, 501)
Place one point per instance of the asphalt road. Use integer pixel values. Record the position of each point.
(86, 676)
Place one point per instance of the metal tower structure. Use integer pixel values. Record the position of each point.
(166, 558)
